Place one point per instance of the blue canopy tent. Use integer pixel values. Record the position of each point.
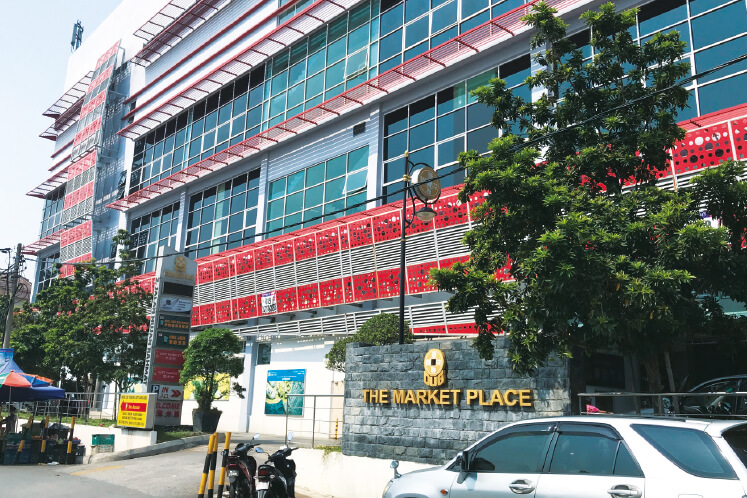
(37, 390)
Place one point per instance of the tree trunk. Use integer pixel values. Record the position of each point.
(655, 383)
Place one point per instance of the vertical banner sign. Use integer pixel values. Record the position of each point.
(6, 355)
(168, 335)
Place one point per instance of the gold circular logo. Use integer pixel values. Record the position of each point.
(180, 263)
(434, 362)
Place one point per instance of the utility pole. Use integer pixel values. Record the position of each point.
(12, 296)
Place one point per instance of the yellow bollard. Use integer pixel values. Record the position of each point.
(206, 467)
(44, 439)
(213, 458)
(223, 462)
(337, 421)
(70, 439)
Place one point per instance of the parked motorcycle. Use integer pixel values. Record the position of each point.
(279, 479)
(241, 470)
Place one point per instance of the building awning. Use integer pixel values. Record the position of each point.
(49, 184)
(315, 15)
(41, 244)
(465, 45)
(171, 24)
(63, 121)
(69, 98)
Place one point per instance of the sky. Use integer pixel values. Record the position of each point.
(35, 40)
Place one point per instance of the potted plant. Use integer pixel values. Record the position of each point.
(210, 356)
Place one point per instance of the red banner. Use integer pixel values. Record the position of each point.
(133, 407)
(169, 357)
(165, 374)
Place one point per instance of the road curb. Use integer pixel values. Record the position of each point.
(154, 449)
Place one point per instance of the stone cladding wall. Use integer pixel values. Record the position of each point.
(436, 433)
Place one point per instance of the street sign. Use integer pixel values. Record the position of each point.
(169, 357)
(136, 410)
(164, 392)
(166, 374)
(169, 412)
(172, 339)
(178, 304)
(174, 322)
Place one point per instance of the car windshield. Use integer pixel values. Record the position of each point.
(691, 450)
(737, 439)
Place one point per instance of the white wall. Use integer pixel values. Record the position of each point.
(291, 354)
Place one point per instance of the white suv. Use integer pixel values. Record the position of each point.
(592, 456)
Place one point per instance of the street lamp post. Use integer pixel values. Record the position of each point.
(424, 184)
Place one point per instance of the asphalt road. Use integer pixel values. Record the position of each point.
(171, 474)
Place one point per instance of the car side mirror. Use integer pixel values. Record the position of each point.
(394, 466)
(463, 459)
(256, 436)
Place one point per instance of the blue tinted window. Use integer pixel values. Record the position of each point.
(506, 6)
(724, 94)
(422, 135)
(719, 54)
(415, 8)
(470, 7)
(416, 31)
(445, 16)
(475, 21)
(450, 124)
(716, 26)
(390, 45)
(660, 14)
(391, 20)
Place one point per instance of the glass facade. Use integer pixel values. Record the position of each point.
(154, 230)
(318, 190)
(438, 127)
(715, 32)
(293, 10)
(54, 203)
(223, 217)
(47, 271)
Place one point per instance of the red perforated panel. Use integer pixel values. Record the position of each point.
(462, 328)
(283, 252)
(387, 226)
(223, 311)
(475, 200)
(327, 241)
(263, 257)
(360, 233)
(388, 282)
(739, 135)
(287, 300)
(418, 277)
(347, 288)
(204, 273)
(221, 269)
(446, 263)
(247, 306)
(207, 314)
(235, 309)
(364, 286)
(434, 329)
(331, 292)
(304, 247)
(450, 212)
(196, 316)
(503, 273)
(232, 266)
(702, 148)
(244, 262)
(308, 296)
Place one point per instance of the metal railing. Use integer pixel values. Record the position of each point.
(83, 406)
(324, 427)
(723, 405)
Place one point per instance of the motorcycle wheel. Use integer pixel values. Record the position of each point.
(232, 491)
(237, 491)
(262, 493)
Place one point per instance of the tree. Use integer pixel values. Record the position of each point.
(90, 325)
(376, 331)
(209, 356)
(599, 256)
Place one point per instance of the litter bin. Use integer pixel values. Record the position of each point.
(102, 443)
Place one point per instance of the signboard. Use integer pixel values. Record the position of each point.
(136, 410)
(166, 374)
(169, 410)
(169, 357)
(222, 391)
(179, 323)
(173, 393)
(281, 383)
(269, 302)
(177, 341)
(175, 284)
(178, 304)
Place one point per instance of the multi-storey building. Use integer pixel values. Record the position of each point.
(258, 137)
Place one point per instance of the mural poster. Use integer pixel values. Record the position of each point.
(281, 383)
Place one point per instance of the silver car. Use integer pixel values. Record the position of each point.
(592, 457)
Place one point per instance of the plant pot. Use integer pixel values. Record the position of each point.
(205, 421)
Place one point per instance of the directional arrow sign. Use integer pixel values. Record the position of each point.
(173, 393)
